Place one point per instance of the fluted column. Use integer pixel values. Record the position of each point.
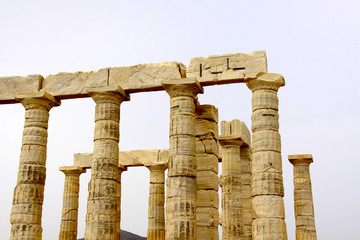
(267, 181)
(303, 200)
(181, 181)
(103, 213)
(26, 211)
(156, 213)
(231, 216)
(245, 155)
(69, 215)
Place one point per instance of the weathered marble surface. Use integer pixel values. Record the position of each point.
(218, 69)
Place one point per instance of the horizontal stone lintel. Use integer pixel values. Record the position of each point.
(214, 70)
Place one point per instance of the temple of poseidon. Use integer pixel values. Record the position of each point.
(252, 205)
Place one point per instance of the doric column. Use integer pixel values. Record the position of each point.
(156, 213)
(69, 215)
(29, 191)
(247, 216)
(234, 135)
(207, 161)
(103, 213)
(303, 200)
(181, 182)
(267, 182)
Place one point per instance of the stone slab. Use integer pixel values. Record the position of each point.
(9, 86)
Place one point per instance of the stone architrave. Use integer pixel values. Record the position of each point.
(207, 161)
(69, 215)
(29, 191)
(267, 181)
(103, 213)
(181, 181)
(303, 200)
(234, 135)
(156, 213)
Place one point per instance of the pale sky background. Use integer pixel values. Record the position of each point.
(314, 44)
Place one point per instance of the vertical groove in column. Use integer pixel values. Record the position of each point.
(231, 217)
(245, 156)
(267, 183)
(69, 216)
(103, 213)
(181, 182)
(26, 212)
(303, 200)
(156, 212)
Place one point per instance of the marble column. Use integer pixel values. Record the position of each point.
(207, 161)
(156, 212)
(26, 211)
(267, 181)
(235, 182)
(246, 200)
(103, 213)
(69, 215)
(303, 200)
(181, 181)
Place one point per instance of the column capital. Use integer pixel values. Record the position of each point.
(182, 87)
(67, 170)
(33, 99)
(230, 140)
(160, 166)
(269, 81)
(108, 92)
(300, 159)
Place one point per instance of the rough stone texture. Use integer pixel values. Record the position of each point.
(103, 209)
(181, 182)
(127, 158)
(207, 197)
(303, 200)
(29, 191)
(69, 215)
(231, 179)
(221, 69)
(267, 183)
(14, 85)
(156, 214)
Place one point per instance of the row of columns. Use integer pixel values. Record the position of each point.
(103, 215)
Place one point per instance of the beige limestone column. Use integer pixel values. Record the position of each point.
(247, 216)
(156, 213)
(103, 213)
(236, 214)
(207, 161)
(267, 181)
(29, 191)
(303, 200)
(69, 215)
(181, 181)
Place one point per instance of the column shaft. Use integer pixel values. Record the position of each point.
(69, 216)
(245, 156)
(156, 213)
(181, 182)
(103, 213)
(303, 200)
(267, 182)
(207, 162)
(26, 212)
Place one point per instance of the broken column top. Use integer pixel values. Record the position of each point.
(300, 159)
(235, 130)
(212, 70)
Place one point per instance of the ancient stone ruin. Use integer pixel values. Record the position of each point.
(251, 176)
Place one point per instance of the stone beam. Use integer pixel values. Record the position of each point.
(213, 70)
(127, 158)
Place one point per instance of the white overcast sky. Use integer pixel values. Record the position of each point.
(314, 44)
